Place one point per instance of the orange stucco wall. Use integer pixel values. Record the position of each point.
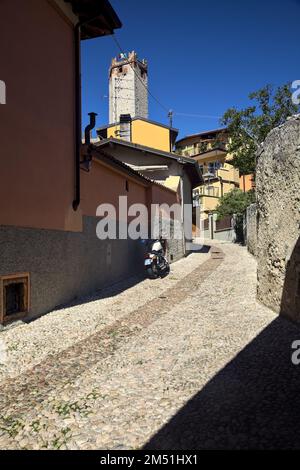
(37, 139)
(37, 123)
(246, 182)
(105, 185)
(161, 195)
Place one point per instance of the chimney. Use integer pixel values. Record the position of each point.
(125, 127)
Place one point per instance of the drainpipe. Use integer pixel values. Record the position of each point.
(182, 213)
(86, 162)
(76, 201)
(222, 186)
(89, 128)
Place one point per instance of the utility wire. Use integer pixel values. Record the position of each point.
(200, 116)
(169, 111)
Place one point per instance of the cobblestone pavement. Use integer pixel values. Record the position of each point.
(189, 361)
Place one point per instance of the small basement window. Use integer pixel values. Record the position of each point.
(14, 291)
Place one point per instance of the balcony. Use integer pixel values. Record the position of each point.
(207, 197)
(208, 203)
(212, 191)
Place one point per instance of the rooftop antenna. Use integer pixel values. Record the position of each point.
(170, 116)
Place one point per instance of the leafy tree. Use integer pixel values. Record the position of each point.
(249, 127)
(234, 202)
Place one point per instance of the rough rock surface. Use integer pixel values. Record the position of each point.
(251, 224)
(278, 196)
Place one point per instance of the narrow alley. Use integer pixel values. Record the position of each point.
(125, 370)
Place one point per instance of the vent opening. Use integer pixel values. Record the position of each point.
(14, 291)
(14, 298)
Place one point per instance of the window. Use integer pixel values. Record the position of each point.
(14, 297)
(215, 165)
(196, 197)
(127, 185)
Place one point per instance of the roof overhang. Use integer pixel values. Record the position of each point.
(104, 158)
(191, 166)
(201, 135)
(98, 17)
(213, 153)
(174, 132)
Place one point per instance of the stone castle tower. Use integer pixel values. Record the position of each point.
(128, 81)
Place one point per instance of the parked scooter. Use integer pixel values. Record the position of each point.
(155, 262)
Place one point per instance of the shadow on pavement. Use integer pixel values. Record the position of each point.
(195, 247)
(111, 290)
(252, 403)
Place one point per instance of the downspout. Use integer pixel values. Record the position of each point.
(89, 128)
(76, 201)
(222, 184)
(182, 214)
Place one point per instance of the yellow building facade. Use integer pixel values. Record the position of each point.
(143, 132)
(220, 177)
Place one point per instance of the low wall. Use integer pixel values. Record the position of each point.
(66, 265)
(227, 235)
(224, 233)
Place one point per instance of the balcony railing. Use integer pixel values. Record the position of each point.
(211, 191)
(203, 147)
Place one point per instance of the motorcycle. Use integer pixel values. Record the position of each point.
(155, 262)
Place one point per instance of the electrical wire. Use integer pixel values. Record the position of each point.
(200, 116)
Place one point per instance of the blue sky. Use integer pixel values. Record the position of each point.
(204, 56)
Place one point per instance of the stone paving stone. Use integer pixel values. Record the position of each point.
(137, 379)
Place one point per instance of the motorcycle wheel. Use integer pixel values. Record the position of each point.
(151, 274)
(165, 271)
